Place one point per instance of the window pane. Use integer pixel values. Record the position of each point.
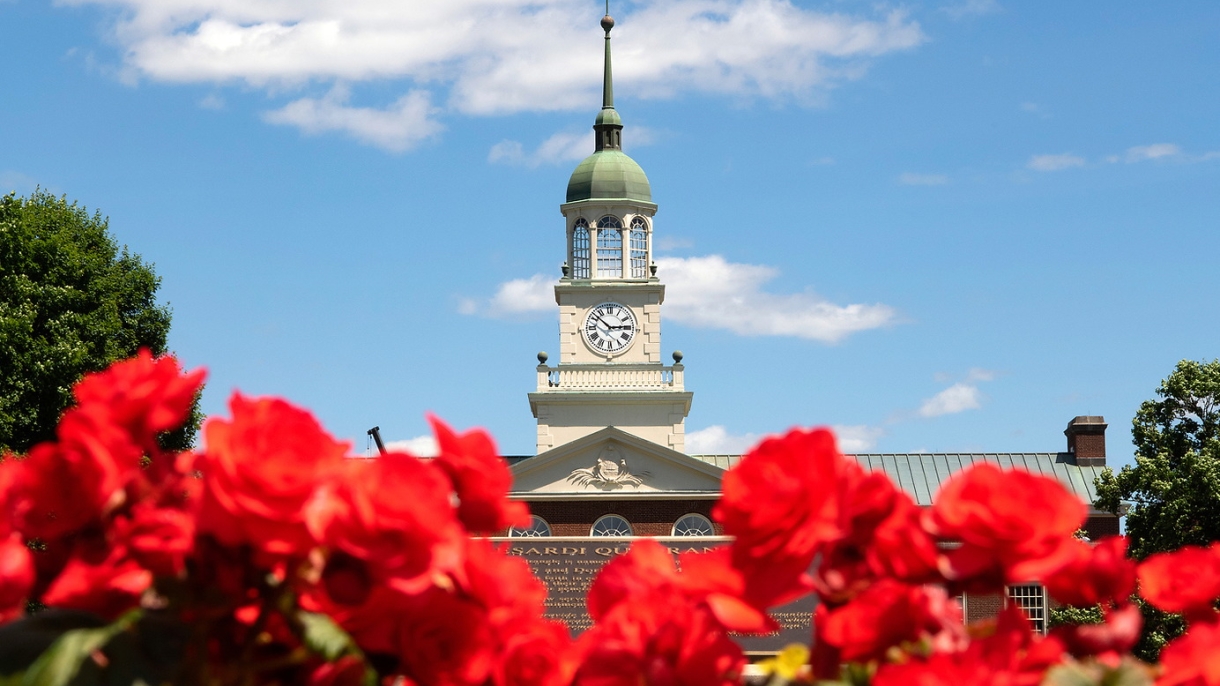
(580, 250)
(609, 247)
(639, 248)
(1032, 602)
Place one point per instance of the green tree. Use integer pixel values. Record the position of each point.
(1173, 491)
(71, 302)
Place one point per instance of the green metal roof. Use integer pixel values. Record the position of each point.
(609, 175)
(922, 474)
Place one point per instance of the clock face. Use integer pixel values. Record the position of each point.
(609, 328)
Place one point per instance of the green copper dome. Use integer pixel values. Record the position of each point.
(609, 175)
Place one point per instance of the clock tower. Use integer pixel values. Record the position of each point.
(609, 371)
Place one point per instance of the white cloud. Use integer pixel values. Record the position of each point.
(519, 296)
(957, 398)
(501, 56)
(420, 446)
(525, 295)
(978, 374)
(716, 440)
(713, 293)
(1046, 163)
(857, 438)
(1156, 151)
(910, 179)
(212, 101)
(971, 8)
(398, 128)
(822, 161)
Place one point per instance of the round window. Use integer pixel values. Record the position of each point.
(537, 527)
(694, 525)
(611, 525)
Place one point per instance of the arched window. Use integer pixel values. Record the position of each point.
(580, 250)
(538, 527)
(609, 247)
(694, 525)
(611, 525)
(639, 248)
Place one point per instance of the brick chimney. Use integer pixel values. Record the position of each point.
(1087, 441)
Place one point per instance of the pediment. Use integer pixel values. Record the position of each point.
(612, 461)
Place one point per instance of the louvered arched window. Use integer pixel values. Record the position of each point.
(639, 248)
(580, 250)
(609, 247)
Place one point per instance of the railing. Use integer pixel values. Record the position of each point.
(596, 377)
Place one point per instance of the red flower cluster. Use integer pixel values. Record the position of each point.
(805, 517)
(250, 544)
(1187, 581)
(102, 518)
(274, 520)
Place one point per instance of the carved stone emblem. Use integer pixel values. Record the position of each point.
(607, 474)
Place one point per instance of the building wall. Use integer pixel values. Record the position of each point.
(659, 417)
(1100, 526)
(980, 606)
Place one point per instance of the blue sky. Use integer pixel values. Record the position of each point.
(951, 225)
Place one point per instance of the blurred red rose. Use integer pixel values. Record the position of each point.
(480, 478)
(259, 471)
(887, 614)
(706, 579)
(1010, 656)
(783, 502)
(1186, 580)
(537, 653)
(661, 639)
(67, 484)
(1094, 574)
(446, 640)
(1115, 636)
(1192, 659)
(502, 584)
(145, 396)
(391, 512)
(106, 587)
(1013, 526)
(16, 576)
(160, 539)
(885, 540)
(348, 670)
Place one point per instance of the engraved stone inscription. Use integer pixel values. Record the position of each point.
(568, 567)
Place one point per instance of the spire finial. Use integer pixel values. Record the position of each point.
(609, 127)
(607, 77)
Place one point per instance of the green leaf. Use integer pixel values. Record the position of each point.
(1128, 673)
(62, 662)
(325, 638)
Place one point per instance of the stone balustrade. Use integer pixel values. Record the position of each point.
(618, 377)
